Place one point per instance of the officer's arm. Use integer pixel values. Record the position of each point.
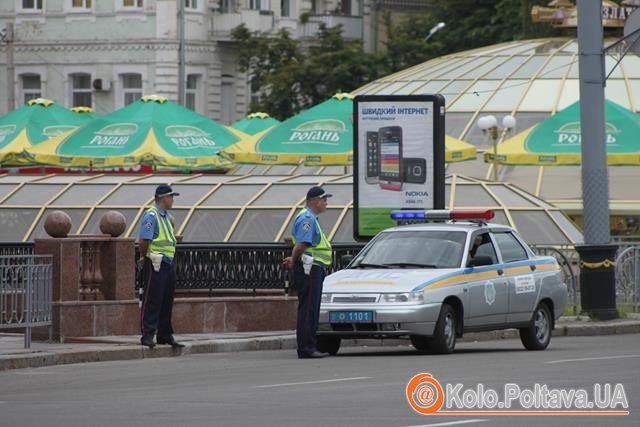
(143, 244)
(298, 250)
(296, 253)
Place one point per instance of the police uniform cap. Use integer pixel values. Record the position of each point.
(317, 193)
(164, 190)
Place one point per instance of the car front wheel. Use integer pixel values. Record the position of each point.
(538, 334)
(444, 336)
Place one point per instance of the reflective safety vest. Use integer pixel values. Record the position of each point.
(165, 243)
(322, 252)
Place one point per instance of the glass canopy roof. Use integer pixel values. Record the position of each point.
(531, 80)
(256, 204)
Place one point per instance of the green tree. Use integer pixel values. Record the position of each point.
(291, 75)
(469, 24)
(275, 66)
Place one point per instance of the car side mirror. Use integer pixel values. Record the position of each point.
(479, 260)
(346, 259)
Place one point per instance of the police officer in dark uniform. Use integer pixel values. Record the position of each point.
(310, 260)
(157, 244)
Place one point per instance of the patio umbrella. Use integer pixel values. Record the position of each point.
(37, 121)
(255, 123)
(85, 112)
(151, 130)
(556, 140)
(321, 135)
(458, 151)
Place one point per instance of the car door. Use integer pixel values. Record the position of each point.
(523, 281)
(488, 290)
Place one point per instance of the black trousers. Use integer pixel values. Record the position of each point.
(309, 290)
(157, 303)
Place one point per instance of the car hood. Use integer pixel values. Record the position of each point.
(383, 280)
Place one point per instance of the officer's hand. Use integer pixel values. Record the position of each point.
(288, 262)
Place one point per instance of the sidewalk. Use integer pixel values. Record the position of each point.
(101, 349)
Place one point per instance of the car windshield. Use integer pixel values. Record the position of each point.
(413, 249)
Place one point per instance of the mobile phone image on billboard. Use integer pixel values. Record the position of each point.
(415, 170)
(373, 158)
(390, 147)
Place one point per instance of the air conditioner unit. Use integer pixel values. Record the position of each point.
(102, 85)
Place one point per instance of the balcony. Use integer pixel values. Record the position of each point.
(255, 20)
(351, 25)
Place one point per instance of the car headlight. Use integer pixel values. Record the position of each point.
(325, 298)
(415, 297)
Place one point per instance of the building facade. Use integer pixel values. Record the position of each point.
(105, 54)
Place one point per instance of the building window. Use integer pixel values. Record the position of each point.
(191, 94)
(259, 5)
(285, 7)
(81, 4)
(191, 4)
(81, 90)
(227, 6)
(31, 87)
(131, 87)
(32, 4)
(132, 3)
(345, 7)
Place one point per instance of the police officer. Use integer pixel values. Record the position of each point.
(311, 247)
(157, 244)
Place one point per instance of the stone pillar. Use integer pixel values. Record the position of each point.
(118, 269)
(66, 265)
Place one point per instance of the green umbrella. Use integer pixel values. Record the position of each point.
(557, 140)
(151, 130)
(321, 135)
(255, 123)
(33, 123)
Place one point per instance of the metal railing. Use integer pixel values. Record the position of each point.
(25, 293)
(628, 277)
(249, 267)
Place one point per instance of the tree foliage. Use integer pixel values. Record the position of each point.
(291, 75)
(469, 24)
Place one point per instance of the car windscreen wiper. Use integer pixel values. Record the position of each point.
(411, 264)
(368, 265)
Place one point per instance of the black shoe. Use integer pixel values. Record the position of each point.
(148, 341)
(170, 341)
(312, 355)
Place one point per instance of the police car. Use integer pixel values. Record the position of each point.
(433, 281)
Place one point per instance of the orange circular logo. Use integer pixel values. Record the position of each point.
(425, 394)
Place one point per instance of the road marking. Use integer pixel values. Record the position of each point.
(624, 356)
(450, 423)
(314, 382)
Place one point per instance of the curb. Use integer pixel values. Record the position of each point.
(277, 342)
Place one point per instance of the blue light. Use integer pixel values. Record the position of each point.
(401, 215)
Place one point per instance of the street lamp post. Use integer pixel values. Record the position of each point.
(489, 126)
(435, 29)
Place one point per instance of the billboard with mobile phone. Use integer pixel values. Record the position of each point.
(398, 158)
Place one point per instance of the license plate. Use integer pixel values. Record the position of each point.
(351, 316)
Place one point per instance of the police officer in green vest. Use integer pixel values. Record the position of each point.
(310, 260)
(157, 244)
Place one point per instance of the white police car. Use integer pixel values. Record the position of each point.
(434, 281)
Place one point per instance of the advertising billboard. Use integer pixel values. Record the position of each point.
(398, 158)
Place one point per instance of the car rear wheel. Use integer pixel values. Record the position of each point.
(538, 334)
(444, 336)
(327, 344)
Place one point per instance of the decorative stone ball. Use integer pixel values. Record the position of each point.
(57, 224)
(113, 223)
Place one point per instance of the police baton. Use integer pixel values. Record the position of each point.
(139, 265)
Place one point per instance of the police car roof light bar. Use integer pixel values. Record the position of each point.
(443, 215)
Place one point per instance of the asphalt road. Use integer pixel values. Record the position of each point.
(358, 387)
